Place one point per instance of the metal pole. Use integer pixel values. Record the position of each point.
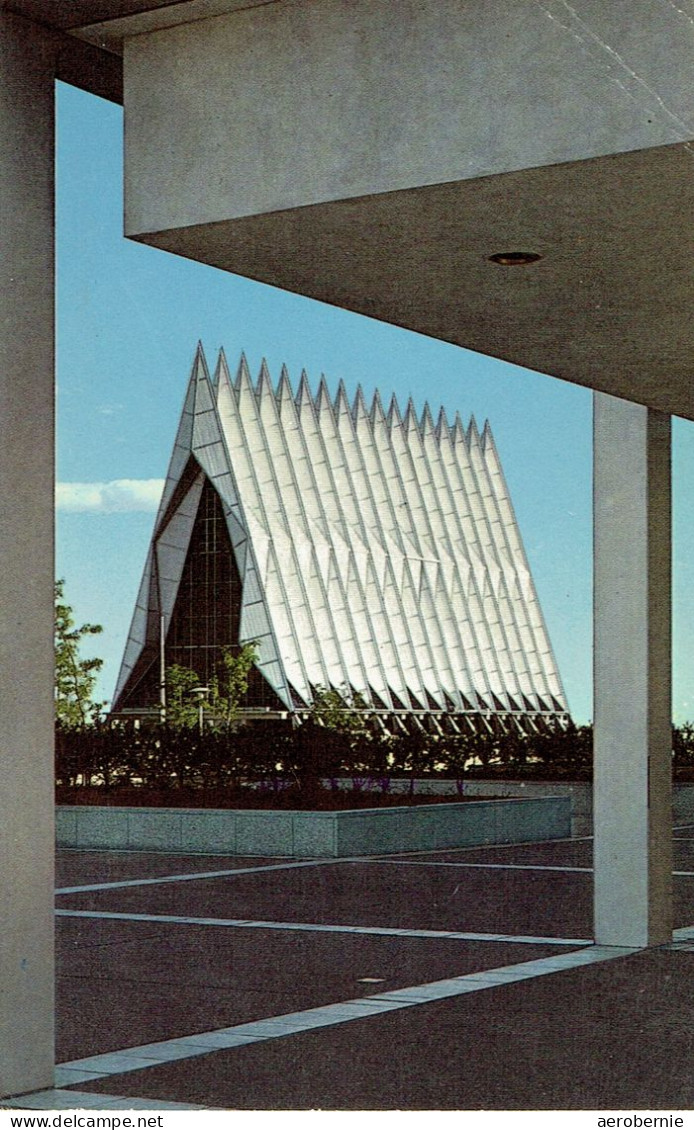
(162, 667)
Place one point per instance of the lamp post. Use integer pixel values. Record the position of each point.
(201, 692)
(162, 668)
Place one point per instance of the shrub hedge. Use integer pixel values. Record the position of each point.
(273, 753)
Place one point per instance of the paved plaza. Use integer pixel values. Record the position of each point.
(461, 979)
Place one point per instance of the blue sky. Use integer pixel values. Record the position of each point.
(129, 318)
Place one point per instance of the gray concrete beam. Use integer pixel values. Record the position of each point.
(26, 557)
(298, 103)
(632, 675)
(379, 164)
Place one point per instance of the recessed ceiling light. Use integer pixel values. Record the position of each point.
(514, 258)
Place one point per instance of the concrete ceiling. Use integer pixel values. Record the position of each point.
(610, 304)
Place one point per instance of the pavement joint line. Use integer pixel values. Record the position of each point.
(384, 857)
(207, 875)
(502, 866)
(192, 876)
(343, 1012)
(321, 927)
(484, 866)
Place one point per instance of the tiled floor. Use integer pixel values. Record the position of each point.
(614, 1036)
(370, 894)
(189, 982)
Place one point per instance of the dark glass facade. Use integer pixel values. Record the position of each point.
(206, 615)
(207, 610)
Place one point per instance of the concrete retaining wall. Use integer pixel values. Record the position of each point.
(683, 803)
(314, 834)
(580, 792)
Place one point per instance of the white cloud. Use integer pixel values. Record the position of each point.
(109, 498)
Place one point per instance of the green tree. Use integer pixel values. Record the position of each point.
(229, 686)
(75, 677)
(338, 736)
(182, 708)
(222, 697)
(341, 710)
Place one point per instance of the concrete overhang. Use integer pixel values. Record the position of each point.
(328, 148)
(609, 305)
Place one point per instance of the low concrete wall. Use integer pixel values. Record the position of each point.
(580, 792)
(683, 804)
(314, 834)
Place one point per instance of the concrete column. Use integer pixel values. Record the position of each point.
(26, 557)
(632, 791)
